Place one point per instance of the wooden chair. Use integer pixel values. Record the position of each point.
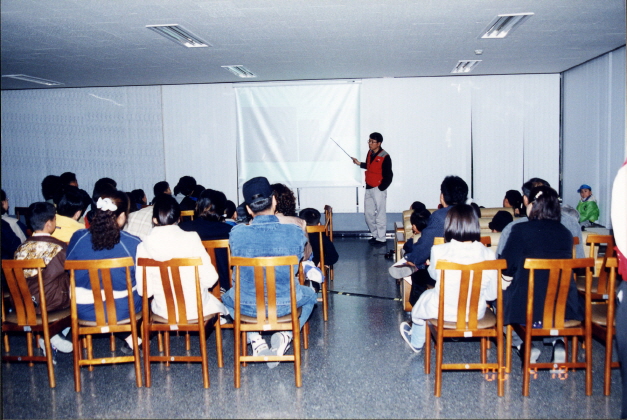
(604, 323)
(185, 214)
(328, 226)
(177, 314)
(324, 288)
(467, 324)
(554, 322)
(599, 280)
(107, 321)
(24, 319)
(211, 247)
(266, 320)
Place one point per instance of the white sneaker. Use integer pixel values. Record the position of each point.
(533, 357)
(280, 343)
(312, 273)
(61, 344)
(260, 348)
(559, 356)
(405, 330)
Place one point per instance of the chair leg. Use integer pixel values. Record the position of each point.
(112, 342)
(236, 357)
(160, 341)
(607, 367)
(508, 350)
(90, 351)
(526, 366)
(427, 350)
(76, 357)
(306, 335)
(146, 348)
(166, 338)
(203, 352)
(438, 365)
(588, 341)
(49, 361)
(244, 347)
(218, 333)
(325, 300)
(484, 349)
(575, 349)
(499, 361)
(297, 359)
(7, 347)
(29, 346)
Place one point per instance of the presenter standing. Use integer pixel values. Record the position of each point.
(379, 175)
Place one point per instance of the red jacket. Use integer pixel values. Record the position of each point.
(374, 169)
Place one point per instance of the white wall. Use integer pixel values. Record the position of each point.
(594, 128)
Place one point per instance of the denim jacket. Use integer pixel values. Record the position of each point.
(266, 237)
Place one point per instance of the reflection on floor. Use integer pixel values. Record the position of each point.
(357, 365)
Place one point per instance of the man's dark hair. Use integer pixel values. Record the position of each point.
(260, 205)
(454, 190)
(52, 188)
(160, 187)
(532, 183)
(68, 177)
(377, 136)
(418, 206)
(420, 219)
(461, 223)
(166, 210)
(311, 216)
(138, 196)
(185, 185)
(40, 213)
(71, 202)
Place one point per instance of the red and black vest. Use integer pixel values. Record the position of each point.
(374, 169)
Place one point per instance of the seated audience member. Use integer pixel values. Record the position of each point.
(208, 225)
(140, 222)
(286, 212)
(312, 218)
(543, 236)
(267, 237)
(18, 228)
(133, 205)
(501, 219)
(588, 208)
(418, 220)
(105, 239)
(417, 206)
(166, 241)
(230, 213)
(513, 199)
(476, 209)
(71, 183)
(56, 280)
(102, 186)
(453, 190)
(69, 211)
(140, 198)
(566, 219)
(52, 188)
(186, 187)
(462, 245)
(69, 178)
(161, 187)
(9, 243)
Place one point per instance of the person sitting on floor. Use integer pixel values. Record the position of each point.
(56, 280)
(166, 241)
(267, 237)
(462, 245)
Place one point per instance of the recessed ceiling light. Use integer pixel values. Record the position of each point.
(179, 35)
(478, 52)
(504, 24)
(465, 66)
(33, 79)
(240, 71)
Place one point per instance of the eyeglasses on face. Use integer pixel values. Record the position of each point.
(372, 141)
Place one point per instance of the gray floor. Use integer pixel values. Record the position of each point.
(357, 365)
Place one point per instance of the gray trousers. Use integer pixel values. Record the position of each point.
(374, 212)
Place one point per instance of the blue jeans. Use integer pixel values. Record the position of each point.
(306, 301)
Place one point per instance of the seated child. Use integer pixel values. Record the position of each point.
(418, 220)
(588, 208)
(463, 246)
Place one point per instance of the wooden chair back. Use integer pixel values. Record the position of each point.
(328, 221)
(467, 323)
(554, 322)
(575, 243)
(107, 320)
(264, 272)
(176, 320)
(211, 247)
(320, 230)
(186, 213)
(25, 318)
(601, 273)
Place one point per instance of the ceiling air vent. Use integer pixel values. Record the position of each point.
(504, 24)
(179, 35)
(465, 66)
(33, 79)
(240, 71)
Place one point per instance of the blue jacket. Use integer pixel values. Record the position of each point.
(421, 251)
(80, 248)
(266, 237)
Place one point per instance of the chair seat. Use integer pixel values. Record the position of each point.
(283, 319)
(599, 315)
(488, 321)
(85, 323)
(161, 320)
(581, 284)
(52, 316)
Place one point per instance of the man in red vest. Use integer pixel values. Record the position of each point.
(379, 175)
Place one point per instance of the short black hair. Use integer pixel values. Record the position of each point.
(310, 215)
(67, 177)
(229, 209)
(377, 136)
(166, 210)
(418, 206)
(71, 202)
(462, 224)
(40, 213)
(454, 190)
(3, 197)
(260, 205)
(52, 188)
(160, 187)
(420, 219)
(532, 183)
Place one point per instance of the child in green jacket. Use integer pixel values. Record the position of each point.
(587, 207)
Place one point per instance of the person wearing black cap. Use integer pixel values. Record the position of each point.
(501, 219)
(378, 166)
(267, 237)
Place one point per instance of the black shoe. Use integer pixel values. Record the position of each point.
(379, 243)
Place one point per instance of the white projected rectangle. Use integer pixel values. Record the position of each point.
(284, 134)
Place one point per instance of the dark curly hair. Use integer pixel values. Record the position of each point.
(285, 200)
(104, 228)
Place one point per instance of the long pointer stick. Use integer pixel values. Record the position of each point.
(341, 148)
